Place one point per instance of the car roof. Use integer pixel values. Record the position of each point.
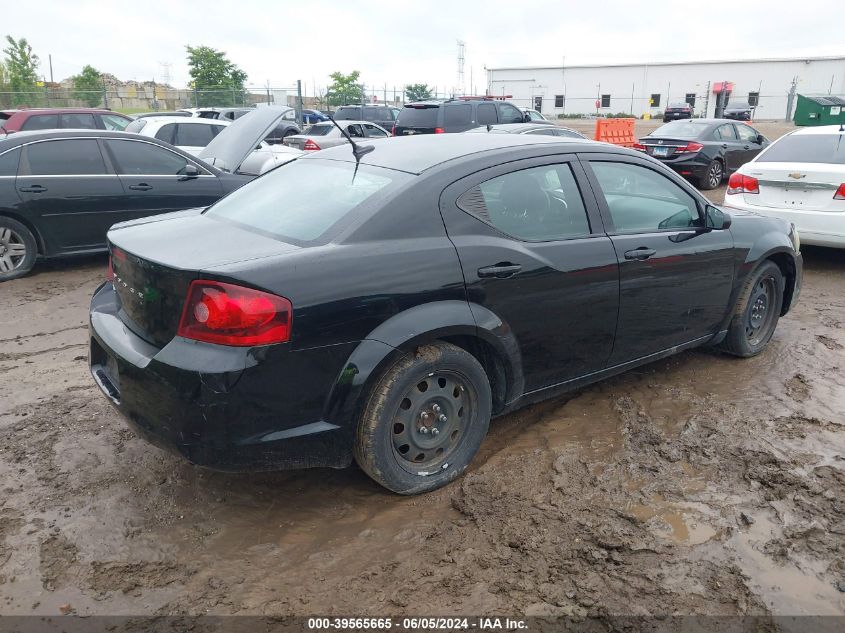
(819, 129)
(186, 120)
(416, 154)
(61, 111)
(517, 128)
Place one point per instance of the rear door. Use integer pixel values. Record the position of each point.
(457, 117)
(78, 121)
(485, 114)
(71, 192)
(534, 253)
(675, 278)
(154, 181)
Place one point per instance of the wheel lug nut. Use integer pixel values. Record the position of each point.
(424, 415)
(423, 430)
(435, 431)
(443, 418)
(436, 408)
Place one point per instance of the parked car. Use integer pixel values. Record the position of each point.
(454, 115)
(534, 116)
(58, 118)
(705, 150)
(60, 191)
(313, 116)
(800, 177)
(144, 115)
(527, 128)
(322, 135)
(677, 111)
(190, 134)
(381, 115)
(739, 113)
(384, 311)
(225, 114)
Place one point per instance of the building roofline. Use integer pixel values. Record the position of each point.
(683, 63)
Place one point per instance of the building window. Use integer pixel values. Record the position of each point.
(754, 99)
(655, 100)
(558, 101)
(690, 99)
(605, 101)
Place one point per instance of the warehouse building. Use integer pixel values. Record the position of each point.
(768, 85)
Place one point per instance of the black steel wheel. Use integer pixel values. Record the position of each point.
(425, 419)
(757, 312)
(713, 176)
(18, 249)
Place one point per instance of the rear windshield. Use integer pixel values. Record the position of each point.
(319, 129)
(348, 114)
(681, 129)
(806, 148)
(418, 117)
(678, 106)
(302, 200)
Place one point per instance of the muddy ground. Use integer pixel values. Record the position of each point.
(701, 484)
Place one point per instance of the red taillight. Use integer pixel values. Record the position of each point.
(393, 131)
(740, 183)
(639, 147)
(840, 193)
(689, 148)
(310, 145)
(439, 130)
(226, 314)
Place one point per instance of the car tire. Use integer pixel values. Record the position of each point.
(757, 312)
(18, 249)
(440, 388)
(713, 176)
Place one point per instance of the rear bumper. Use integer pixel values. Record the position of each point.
(692, 166)
(226, 408)
(816, 228)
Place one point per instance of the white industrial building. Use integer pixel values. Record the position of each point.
(647, 88)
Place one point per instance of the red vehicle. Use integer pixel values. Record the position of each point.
(55, 118)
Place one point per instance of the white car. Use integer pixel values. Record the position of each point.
(801, 178)
(193, 134)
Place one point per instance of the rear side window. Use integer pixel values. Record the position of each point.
(806, 148)
(347, 114)
(79, 121)
(487, 114)
(9, 162)
(113, 122)
(372, 114)
(194, 134)
(138, 158)
(537, 204)
(41, 122)
(418, 117)
(167, 133)
(725, 133)
(80, 157)
(319, 130)
(457, 115)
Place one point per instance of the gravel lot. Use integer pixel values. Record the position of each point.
(701, 484)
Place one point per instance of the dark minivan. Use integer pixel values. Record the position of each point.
(454, 115)
(379, 114)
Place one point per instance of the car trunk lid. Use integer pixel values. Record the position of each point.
(796, 186)
(232, 145)
(663, 147)
(417, 119)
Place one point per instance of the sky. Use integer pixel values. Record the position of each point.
(408, 41)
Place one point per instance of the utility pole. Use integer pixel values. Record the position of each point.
(105, 93)
(706, 99)
(790, 98)
(299, 102)
(50, 61)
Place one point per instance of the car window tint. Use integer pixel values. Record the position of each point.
(79, 121)
(319, 129)
(541, 203)
(193, 134)
(725, 132)
(9, 162)
(641, 201)
(371, 114)
(114, 122)
(487, 114)
(806, 148)
(140, 158)
(746, 133)
(347, 114)
(418, 116)
(65, 157)
(41, 122)
(166, 133)
(509, 114)
(457, 114)
(374, 132)
(355, 131)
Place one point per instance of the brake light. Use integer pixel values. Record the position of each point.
(226, 314)
(740, 183)
(639, 147)
(840, 193)
(310, 145)
(689, 148)
(439, 130)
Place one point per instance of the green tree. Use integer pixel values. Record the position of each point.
(345, 89)
(216, 80)
(21, 66)
(88, 86)
(417, 92)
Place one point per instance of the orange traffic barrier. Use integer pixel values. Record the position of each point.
(616, 131)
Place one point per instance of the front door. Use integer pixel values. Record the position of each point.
(534, 253)
(675, 275)
(154, 179)
(749, 137)
(734, 150)
(70, 193)
(538, 104)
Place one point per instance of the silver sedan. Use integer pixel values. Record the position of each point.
(325, 134)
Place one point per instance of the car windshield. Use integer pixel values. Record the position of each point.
(348, 114)
(681, 129)
(319, 129)
(806, 148)
(418, 116)
(302, 200)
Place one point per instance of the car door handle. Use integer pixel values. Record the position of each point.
(747, 146)
(724, 146)
(141, 187)
(500, 271)
(33, 189)
(640, 253)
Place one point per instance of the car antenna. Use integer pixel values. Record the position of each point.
(489, 127)
(357, 150)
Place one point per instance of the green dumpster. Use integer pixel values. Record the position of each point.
(828, 110)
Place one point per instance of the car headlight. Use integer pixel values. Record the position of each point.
(796, 239)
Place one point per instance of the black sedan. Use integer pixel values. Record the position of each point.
(383, 312)
(677, 111)
(60, 191)
(704, 150)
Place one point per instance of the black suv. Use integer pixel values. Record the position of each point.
(379, 114)
(454, 115)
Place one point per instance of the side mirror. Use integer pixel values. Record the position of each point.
(526, 118)
(189, 171)
(761, 139)
(716, 219)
